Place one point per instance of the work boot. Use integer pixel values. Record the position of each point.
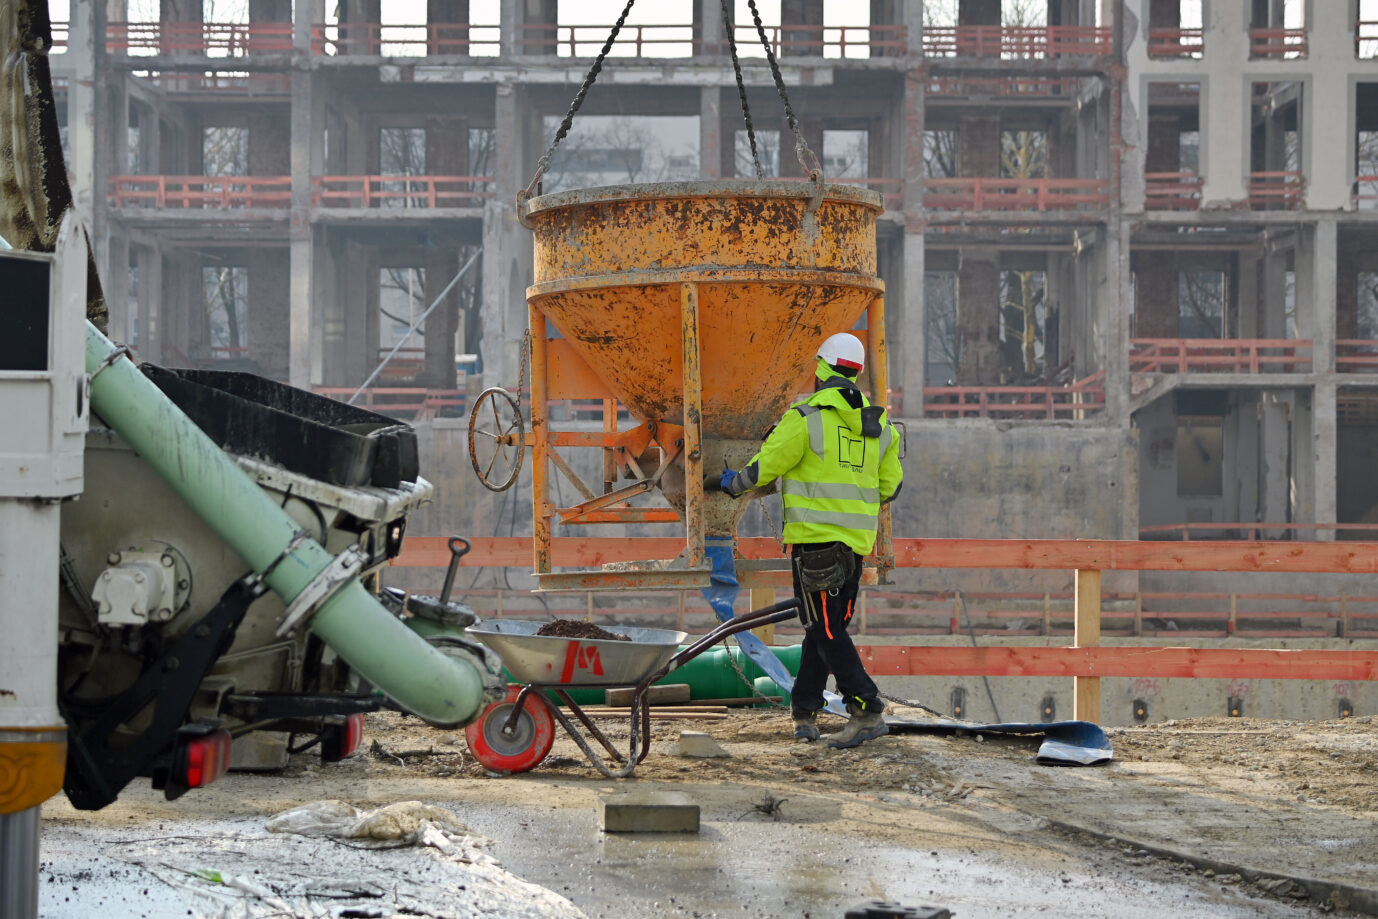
(861, 727)
(806, 726)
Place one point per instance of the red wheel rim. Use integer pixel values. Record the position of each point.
(521, 750)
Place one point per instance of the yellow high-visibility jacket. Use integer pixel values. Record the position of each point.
(837, 458)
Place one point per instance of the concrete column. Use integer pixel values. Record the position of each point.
(978, 317)
(115, 281)
(709, 29)
(150, 302)
(1225, 113)
(1323, 284)
(907, 305)
(913, 27)
(1272, 296)
(506, 243)
(713, 139)
(509, 26)
(360, 324)
(1115, 319)
(544, 13)
(1274, 453)
(1327, 108)
(304, 135)
(1324, 432)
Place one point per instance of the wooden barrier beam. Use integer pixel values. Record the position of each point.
(1067, 554)
(1161, 663)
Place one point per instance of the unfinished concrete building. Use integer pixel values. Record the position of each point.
(1128, 285)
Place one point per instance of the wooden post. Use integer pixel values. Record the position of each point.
(1086, 689)
(693, 411)
(762, 597)
(540, 448)
(1047, 614)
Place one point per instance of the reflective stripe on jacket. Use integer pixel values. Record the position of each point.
(837, 462)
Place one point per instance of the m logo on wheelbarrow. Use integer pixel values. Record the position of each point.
(580, 658)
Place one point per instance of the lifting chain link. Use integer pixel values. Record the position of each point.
(807, 160)
(741, 87)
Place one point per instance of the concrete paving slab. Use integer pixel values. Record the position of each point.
(648, 812)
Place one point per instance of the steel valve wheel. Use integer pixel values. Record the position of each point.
(496, 437)
(520, 749)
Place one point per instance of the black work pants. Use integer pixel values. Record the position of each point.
(829, 649)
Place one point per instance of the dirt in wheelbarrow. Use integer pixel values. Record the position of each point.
(577, 628)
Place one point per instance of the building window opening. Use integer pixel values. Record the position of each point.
(1366, 322)
(1024, 154)
(1356, 454)
(226, 307)
(622, 149)
(483, 145)
(1277, 29)
(942, 342)
(485, 28)
(1201, 299)
(661, 29)
(1366, 32)
(401, 31)
(401, 153)
(1201, 443)
(1275, 180)
(1175, 29)
(1023, 323)
(846, 29)
(225, 151)
(401, 301)
(940, 148)
(846, 154)
(1366, 146)
(767, 150)
(1172, 163)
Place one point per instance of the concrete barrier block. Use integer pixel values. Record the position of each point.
(700, 744)
(648, 812)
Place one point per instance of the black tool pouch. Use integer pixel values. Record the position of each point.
(819, 570)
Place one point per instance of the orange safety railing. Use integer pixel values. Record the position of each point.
(1176, 42)
(401, 191)
(1249, 531)
(1214, 355)
(210, 39)
(826, 41)
(1172, 191)
(163, 192)
(963, 85)
(1356, 355)
(1016, 41)
(1284, 189)
(421, 40)
(1277, 43)
(1033, 403)
(568, 40)
(1085, 660)
(1365, 190)
(252, 83)
(61, 35)
(988, 194)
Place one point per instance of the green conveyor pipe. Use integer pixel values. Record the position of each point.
(441, 689)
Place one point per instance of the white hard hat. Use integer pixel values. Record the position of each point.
(843, 350)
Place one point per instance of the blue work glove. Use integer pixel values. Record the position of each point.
(728, 483)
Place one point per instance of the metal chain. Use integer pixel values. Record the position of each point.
(589, 79)
(801, 148)
(731, 659)
(741, 89)
(521, 373)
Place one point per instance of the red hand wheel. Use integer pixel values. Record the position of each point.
(524, 746)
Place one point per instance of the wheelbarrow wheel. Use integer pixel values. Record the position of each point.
(524, 747)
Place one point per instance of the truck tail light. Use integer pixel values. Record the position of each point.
(342, 738)
(206, 759)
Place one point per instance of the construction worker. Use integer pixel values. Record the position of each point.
(837, 459)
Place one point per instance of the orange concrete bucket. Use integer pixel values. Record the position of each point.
(778, 267)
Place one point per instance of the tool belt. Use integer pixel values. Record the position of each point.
(825, 569)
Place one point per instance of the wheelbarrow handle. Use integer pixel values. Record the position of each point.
(779, 612)
(459, 547)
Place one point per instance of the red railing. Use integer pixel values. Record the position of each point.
(1277, 43)
(1365, 40)
(1025, 86)
(1213, 355)
(61, 34)
(1249, 531)
(1028, 402)
(201, 191)
(406, 403)
(1016, 41)
(1356, 355)
(401, 191)
(211, 39)
(1176, 43)
(825, 41)
(428, 39)
(1365, 190)
(1172, 191)
(1285, 190)
(987, 194)
(252, 83)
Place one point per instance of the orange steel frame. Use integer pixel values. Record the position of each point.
(558, 373)
(1085, 661)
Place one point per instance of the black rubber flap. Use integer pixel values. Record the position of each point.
(289, 427)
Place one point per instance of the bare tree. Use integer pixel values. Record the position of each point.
(944, 344)
(940, 154)
(1023, 155)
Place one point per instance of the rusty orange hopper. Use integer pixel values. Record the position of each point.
(698, 308)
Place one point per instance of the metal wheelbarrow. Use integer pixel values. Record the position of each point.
(514, 735)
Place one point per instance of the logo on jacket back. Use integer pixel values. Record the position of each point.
(851, 451)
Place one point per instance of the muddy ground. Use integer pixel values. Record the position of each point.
(1206, 817)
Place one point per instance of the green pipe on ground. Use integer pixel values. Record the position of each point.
(443, 690)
